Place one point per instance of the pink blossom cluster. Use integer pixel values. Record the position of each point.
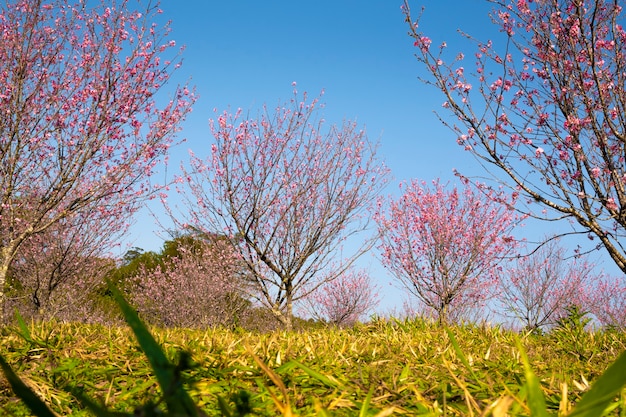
(606, 300)
(56, 274)
(538, 287)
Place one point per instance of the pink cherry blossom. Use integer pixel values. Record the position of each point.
(445, 246)
(606, 300)
(203, 286)
(345, 300)
(563, 92)
(537, 288)
(81, 128)
(290, 191)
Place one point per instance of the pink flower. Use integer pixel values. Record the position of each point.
(424, 43)
(595, 172)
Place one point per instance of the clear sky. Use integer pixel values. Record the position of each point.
(246, 53)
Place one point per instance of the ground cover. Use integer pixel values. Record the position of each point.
(382, 368)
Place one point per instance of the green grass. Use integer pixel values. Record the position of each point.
(384, 368)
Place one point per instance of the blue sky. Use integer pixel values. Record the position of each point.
(247, 53)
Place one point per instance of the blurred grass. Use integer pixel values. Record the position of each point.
(410, 367)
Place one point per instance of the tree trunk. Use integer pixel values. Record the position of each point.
(4, 269)
(6, 257)
(289, 314)
(285, 317)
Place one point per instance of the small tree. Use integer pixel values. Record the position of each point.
(344, 300)
(291, 192)
(546, 109)
(539, 287)
(199, 283)
(56, 272)
(606, 300)
(445, 246)
(80, 128)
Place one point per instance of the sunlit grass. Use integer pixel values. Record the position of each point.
(410, 367)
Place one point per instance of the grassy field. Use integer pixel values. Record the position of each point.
(383, 368)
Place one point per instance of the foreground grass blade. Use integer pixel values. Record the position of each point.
(536, 400)
(23, 327)
(460, 354)
(178, 401)
(224, 408)
(330, 382)
(95, 409)
(284, 408)
(364, 411)
(34, 403)
(603, 391)
(25, 331)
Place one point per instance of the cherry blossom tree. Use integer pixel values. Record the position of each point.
(201, 286)
(606, 300)
(544, 108)
(445, 247)
(344, 300)
(540, 286)
(81, 130)
(292, 191)
(56, 272)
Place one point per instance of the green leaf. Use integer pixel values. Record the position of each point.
(224, 408)
(536, 399)
(32, 401)
(460, 354)
(326, 380)
(176, 398)
(25, 331)
(603, 391)
(366, 403)
(92, 406)
(23, 327)
(404, 375)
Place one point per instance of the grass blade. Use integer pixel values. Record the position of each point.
(24, 331)
(284, 408)
(329, 381)
(224, 408)
(176, 398)
(92, 406)
(34, 403)
(536, 399)
(460, 354)
(603, 391)
(23, 327)
(364, 411)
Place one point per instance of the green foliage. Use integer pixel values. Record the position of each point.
(409, 367)
(171, 248)
(135, 261)
(603, 392)
(136, 258)
(30, 398)
(132, 262)
(570, 332)
(169, 376)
